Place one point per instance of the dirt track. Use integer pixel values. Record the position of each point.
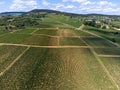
(103, 55)
(1, 73)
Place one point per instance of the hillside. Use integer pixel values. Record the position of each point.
(53, 50)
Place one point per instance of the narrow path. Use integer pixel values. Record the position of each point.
(105, 69)
(49, 28)
(34, 31)
(75, 36)
(103, 55)
(81, 28)
(2, 73)
(44, 35)
(24, 45)
(11, 44)
(95, 54)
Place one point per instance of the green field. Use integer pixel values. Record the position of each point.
(82, 33)
(8, 54)
(28, 39)
(52, 32)
(56, 69)
(52, 51)
(24, 31)
(108, 51)
(96, 41)
(110, 34)
(113, 66)
(66, 41)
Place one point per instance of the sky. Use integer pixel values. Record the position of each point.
(111, 7)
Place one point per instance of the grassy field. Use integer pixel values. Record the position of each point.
(112, 35)
(115, 24)
(81, 33)
(108, 51)
(52, 32)
(28, 30)
(8, 54)
(28, 39)
(66, 41)
(56, 69)
(96, 41)
(3, 32)
(113, 66)
(73, 21)
(56, 59)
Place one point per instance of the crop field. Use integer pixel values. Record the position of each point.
(108, 51)
(52, 32)
(29, 30)
(66, 33)
(71, 41)
(13, 38)
(56, 69)
(28, 39)
(113, 66)
(3, 32)
(8, 54)
(110, 34)
(96, 41)
(58, 56)
(81, 33)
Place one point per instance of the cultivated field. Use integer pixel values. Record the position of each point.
(113, 66)
(56, 69)
(53, 58)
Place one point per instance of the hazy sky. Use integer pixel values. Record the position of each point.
(74, 6)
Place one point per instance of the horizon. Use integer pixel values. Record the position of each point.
(59, 11)
(105, 7)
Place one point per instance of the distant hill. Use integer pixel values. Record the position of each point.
(53, 11)
(11, 13)
(67, 13)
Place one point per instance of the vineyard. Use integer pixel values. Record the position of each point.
(57, 52)
(58, 56)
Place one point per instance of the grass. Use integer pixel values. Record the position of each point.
(81, 33)
(26, 31)
(46, 25)
(59, 68)
(113, 66)
(3, 32)
(71, 21)
(96, 41)
(108, 51)
(109, 34)
(115, 24)
(56, 69)
(41, 40)
(66, 32)
(14, 38)
(8, 54)
(47, 32)
(28, 39)
(71, 41)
